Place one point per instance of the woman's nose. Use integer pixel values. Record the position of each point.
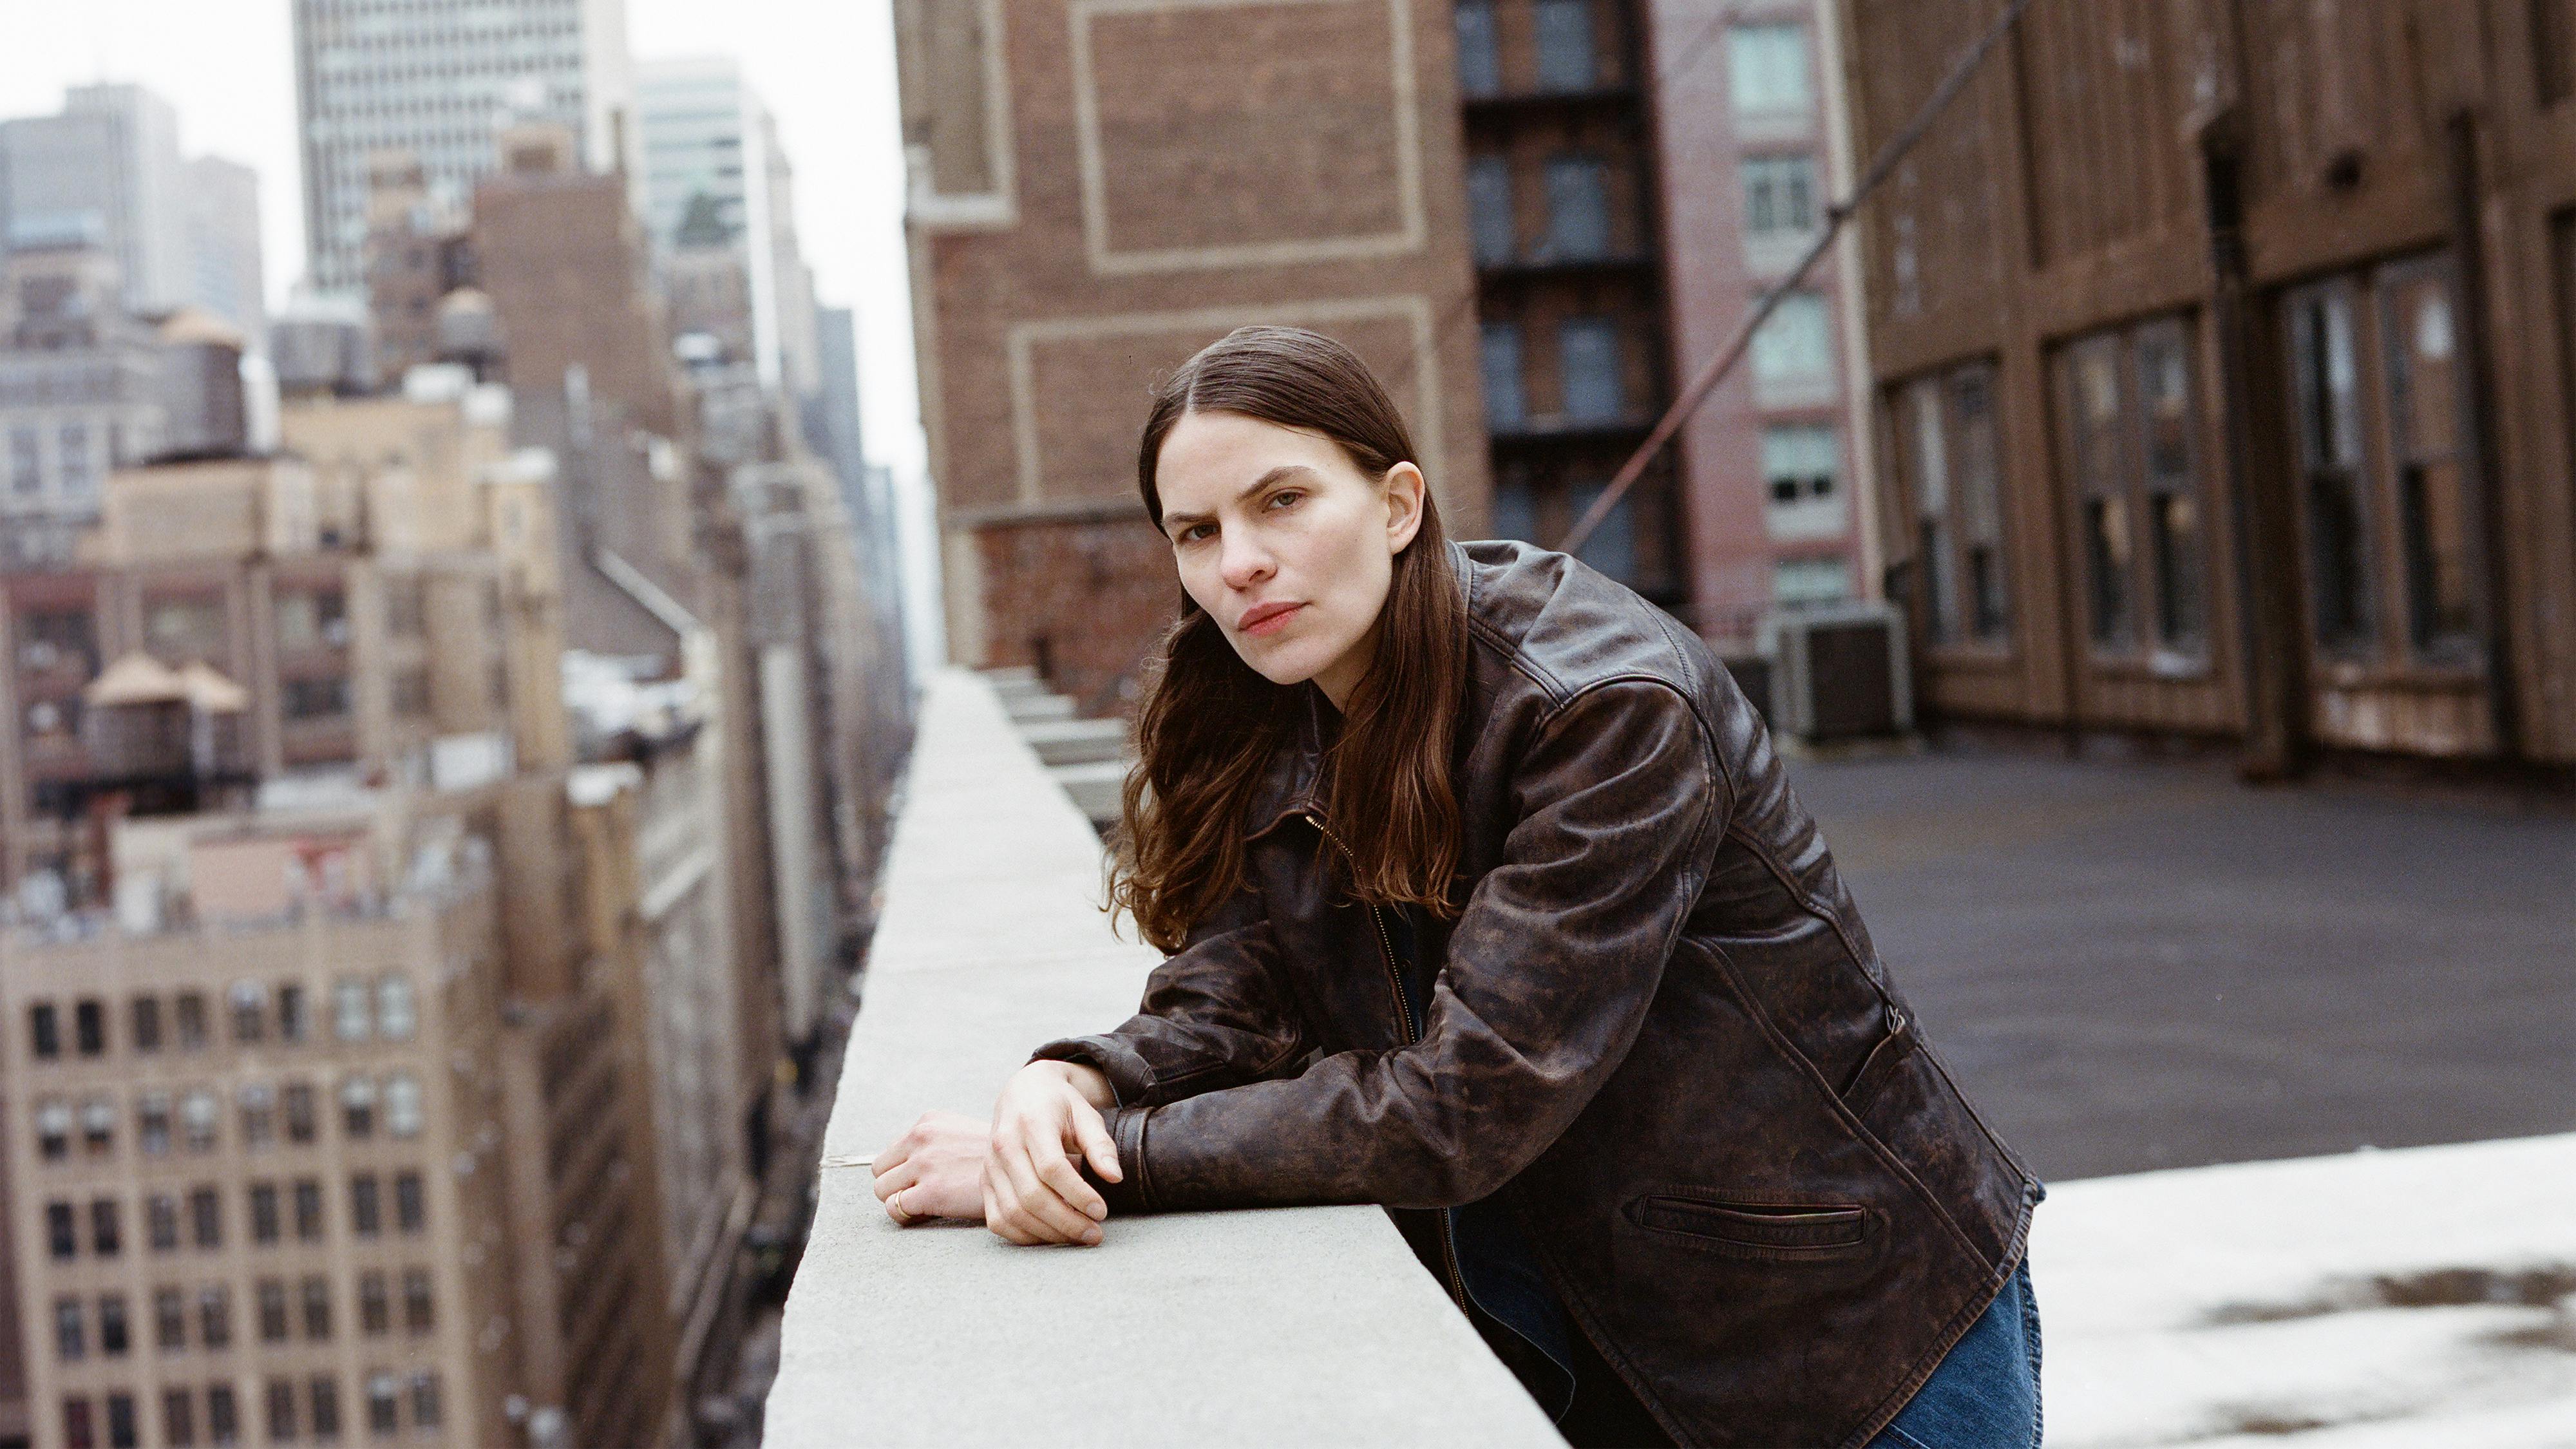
(1244, 563)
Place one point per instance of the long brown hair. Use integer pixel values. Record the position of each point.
(1209, 725)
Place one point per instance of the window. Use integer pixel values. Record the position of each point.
(54, 1129)
(152, 1123)
(264, 1224)
(411, 1212)
(294, 1018)
(366, 1215)
(1515, 509)
(1565, 51)
(424, 1401)
(161, 1216)
(375, 1313)
(179, 1418)
(147, 1023)
(1801, 468)
(2437, 531)
(114, 1340)
(206, 1217)
(402, 1105)
(358, 1107)
(98, 1126)
(62, 1229)
(397, 1014)
(223, 1415)
(272, 1311)
(2126, 399)
(1793, 350)
(44, 1031)
(308, 1210)
(317, 1309)
(71, 1343)
(311, 619)
(106, 1228)
(1480, 55)
(258, 1116)
(1766, 70)
(250, 1011)
(74, 462)
(1612, 548)
(1779, 195)
(26, 462)
(89, 1028)
(2327, 376)
(1588, 362)
(79, 1432)
(281, 1411)
(383, 1404)
(180, 629)
(215, 1316)
(1489, 210)
(350, 1020)
(189, 1014)
(169, 1320)
(320, 697)
(121, 1429)
(1807, 581)
(303, 1117)
(1953, 471)
(197, 1113)
(1578, 210)
(1506, 403)
(326, 1407)
(418, 1316)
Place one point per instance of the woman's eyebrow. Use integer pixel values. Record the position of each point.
(1283, 471)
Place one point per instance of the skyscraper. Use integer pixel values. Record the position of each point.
(108, 166)
(440, 79)
(221, 218)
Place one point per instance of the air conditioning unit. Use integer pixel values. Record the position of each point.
(1839, 671)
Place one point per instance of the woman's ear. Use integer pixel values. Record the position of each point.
(1405, 492)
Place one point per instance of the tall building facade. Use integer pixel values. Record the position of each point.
(107, 170)
(2224, 354)
(224, 257)
(440, 80)
(1090, 205)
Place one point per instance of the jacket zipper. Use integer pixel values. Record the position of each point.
(1412, 1033)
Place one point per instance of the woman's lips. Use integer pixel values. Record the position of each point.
(1267, 618)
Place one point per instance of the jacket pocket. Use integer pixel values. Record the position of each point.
(1789, 1230)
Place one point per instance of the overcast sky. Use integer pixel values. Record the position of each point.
(826, 68)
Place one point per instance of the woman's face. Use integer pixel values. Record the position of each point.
(1285, 543)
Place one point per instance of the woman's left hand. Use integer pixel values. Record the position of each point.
(935, 1169)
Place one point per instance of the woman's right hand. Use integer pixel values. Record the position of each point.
(1033, 1192)
(938, 1167)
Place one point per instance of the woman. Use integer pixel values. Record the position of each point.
(1484, 897)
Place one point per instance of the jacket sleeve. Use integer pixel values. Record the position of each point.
(1213, 1016)
(1550, 969)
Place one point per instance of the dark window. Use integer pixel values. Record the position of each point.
(272, 1311)
(169, 1319)
(308, 1209)
(78, 1431)
(250, 1011)
(2327, 370)
(161, 1219)
(264, 1225)
(258, 1116)
(366, 1212)
(89, 1028)
(303, 1118)
(2171, 486)
(2436, 526)
(375, 1305)
(322, 697)
(147, 1023)
(358, 1107)
(1565, 50)
(98, 1126)
(294, 1013)
(418, 1316)
(1588, 364)
(206, 1215)
(1480, 55)
(189, 1013)
(106, 1228)
(114, 1339)
(215, 1317)
(44, 1031)
(1612, 548)
(152, 1123)
(281, 1411)
(53, 1129)
(424, 1401)
(1946, 443)
(1578, 209)
(411, 1210)
(62, 1229)
(1779, 194)
(317, 1309)
(179, 1418)
(121, 1430)
(326, 1407)
(384, 1406)
(71, 1340)
(1506, 397)
(223, 1415)
(2099, 428)
(1489, 210)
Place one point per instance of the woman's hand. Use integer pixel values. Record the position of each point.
(1033, 1192)
(937, 1166)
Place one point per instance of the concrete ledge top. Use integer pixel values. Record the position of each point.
(1298, 1326)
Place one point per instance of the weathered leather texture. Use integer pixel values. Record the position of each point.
(1658, 1028)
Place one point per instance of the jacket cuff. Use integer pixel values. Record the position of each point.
(1133, 1191)
(1130, 1080)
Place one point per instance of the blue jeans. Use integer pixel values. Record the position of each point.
(1985, 1392)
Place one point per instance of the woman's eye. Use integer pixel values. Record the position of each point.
(1194, 533)
(1283, 498)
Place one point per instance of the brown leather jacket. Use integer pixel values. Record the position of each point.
(1658, 1029)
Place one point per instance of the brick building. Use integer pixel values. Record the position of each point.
(2222, 350)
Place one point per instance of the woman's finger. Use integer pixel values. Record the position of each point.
(1092, 1134)
(1040, 1208)
(895, 1180)
(1058, 1172)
